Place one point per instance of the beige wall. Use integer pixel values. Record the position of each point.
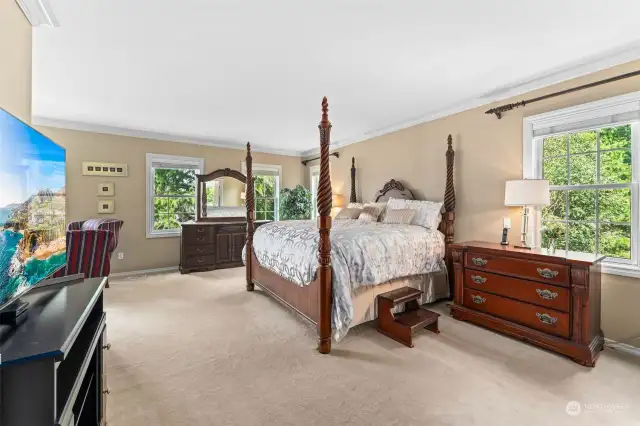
(488, 152)
(231, 193)
(15, 67)
(139, 252)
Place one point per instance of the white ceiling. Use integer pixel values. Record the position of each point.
(227, 72)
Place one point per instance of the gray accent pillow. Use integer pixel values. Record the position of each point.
(401, 216)
(348, 213)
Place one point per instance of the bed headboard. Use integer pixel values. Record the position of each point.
(393, 189)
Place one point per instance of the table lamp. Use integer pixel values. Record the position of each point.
(525, 193)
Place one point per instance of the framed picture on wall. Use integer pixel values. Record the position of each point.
(106, 206)
(106, 189)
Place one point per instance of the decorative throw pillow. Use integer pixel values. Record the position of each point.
(371, 212)
(355, 206)
(348, 213)
(428, 213)
(401, 216)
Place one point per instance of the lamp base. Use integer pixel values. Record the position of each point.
(522, 247)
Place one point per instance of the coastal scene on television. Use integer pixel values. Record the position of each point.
(32, 207)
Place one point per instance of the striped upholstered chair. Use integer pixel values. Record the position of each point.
(90, 244)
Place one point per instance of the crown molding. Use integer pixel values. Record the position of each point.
(588, 65)
(169, 137)
(39, 13)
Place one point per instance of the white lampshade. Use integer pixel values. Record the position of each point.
(526, 192)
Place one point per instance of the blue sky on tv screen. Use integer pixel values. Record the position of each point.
(29, 161)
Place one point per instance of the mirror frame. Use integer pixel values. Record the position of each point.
(201, 194)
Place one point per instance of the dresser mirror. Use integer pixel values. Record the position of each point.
(221, 196)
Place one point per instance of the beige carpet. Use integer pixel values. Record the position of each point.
(199, 350)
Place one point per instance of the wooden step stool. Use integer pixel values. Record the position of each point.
(401, 326)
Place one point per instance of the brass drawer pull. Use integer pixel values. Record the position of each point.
(478, 279)
(107, 347)
(546, 318)
(547, 273)
(546, 294)
(478, 261)
(200, 250)
(478, 300)
(200, 260)
(200, 238)
(200, 230)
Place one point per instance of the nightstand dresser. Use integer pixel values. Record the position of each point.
(552, 301)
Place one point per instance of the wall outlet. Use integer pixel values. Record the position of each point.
(120, 256)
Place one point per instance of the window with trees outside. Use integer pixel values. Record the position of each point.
(588, 158)
(266, 184)
(171, 193)
(589, 174)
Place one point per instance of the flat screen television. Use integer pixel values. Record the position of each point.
(32, 208)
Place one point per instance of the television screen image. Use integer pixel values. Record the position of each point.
(32, 207)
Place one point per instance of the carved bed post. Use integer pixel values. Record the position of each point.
(352, 198)
(249, 202)
(449, 215)
(324, 226)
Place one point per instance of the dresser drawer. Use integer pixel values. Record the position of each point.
(543, 319)
(539, 271)
(197, 234)
(200, 250)
(232, 229)
(527, 291)
(205, 260)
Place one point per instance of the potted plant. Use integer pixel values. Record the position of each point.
(295, 204)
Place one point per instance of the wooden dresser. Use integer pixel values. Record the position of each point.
(212, 245)
(552, 301)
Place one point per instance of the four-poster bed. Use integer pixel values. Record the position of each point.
(314, 300)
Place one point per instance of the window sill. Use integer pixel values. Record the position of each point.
(623, 270)
(164, 234)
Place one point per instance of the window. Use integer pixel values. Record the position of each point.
(266, 183)
(171, 193)
(314, 176)
(589, 154)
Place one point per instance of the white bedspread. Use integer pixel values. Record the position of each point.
(362, 254)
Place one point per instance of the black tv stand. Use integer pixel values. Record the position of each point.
(52, 364)
(14, 314)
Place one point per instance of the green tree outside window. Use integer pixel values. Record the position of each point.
(589, 174)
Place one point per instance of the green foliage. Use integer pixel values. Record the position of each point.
(295, 204)
(265, 189)
(570, 218)
(174, 201)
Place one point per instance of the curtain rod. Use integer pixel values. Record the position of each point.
(335, 154)
(498, 111)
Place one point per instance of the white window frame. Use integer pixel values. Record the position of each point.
(271, 168)
(173, 160)
(314, 171)
(610, 112)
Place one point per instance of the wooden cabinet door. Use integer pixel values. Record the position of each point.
(238, 240)
(223, 249)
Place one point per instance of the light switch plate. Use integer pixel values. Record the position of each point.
(93, 168)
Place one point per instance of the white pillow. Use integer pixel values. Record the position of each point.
(355, 206)
(428, 213)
